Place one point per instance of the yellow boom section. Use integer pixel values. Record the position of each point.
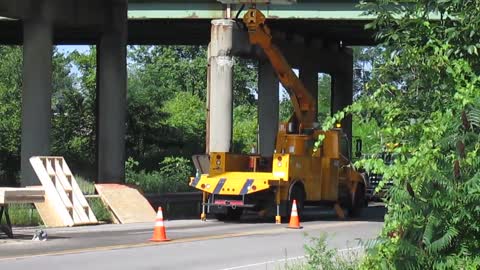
(302, 100)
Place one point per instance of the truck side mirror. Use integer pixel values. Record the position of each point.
(358, 148)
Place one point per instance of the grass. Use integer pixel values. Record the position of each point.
(87, 187)
(100, 210)
(98, 207)
(24, 215)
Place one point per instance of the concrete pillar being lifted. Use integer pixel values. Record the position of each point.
(268, 103)
(220, 87)
(36, 93)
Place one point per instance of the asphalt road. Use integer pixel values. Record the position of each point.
(252, 243)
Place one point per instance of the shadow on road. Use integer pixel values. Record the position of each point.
(374, 213)
(24, 236)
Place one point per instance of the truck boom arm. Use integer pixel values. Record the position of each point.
(303, 102)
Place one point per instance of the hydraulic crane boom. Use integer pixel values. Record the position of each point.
(303, 102)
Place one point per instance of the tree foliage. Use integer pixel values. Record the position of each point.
(10, 111)
(166, 105)
(425, 97)
(10, 106)
(73, 105)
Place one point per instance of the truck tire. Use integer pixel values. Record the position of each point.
(234, 214)
(230, 215)
(221, 217)
(297, 194)
(357, 202)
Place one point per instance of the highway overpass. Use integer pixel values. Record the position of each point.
(314, 35)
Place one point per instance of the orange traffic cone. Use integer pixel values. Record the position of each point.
(294, 220)
(159, 234)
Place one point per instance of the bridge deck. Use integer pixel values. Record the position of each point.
(160, 22)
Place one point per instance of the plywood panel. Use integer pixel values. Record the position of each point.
(21, 195)
(126, 203)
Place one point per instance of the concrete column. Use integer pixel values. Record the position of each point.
(36, 94)
(268, 104)
(220, 87)
(342, 90)
(112, 95)
(309, 76)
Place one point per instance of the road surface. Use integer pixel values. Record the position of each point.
(249, 244)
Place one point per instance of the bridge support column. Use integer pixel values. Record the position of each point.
(342, 90)
(37, 93)
(220, 92)
(268, 104)
(309, 76)
(112, 95)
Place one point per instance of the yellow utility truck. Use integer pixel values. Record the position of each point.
(296, 170)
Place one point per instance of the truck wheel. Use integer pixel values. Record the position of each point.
(299, 195)
(231, 214)
(358, 202)
(234, 214)
(344, 197)
(221, 217)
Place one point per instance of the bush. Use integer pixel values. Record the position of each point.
(424, 96)
(320, 257)
(172, 176)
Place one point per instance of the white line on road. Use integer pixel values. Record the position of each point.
(283, 260)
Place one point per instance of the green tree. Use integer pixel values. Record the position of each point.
(10, 112)
(285, 106)
(245, 79)
(10, 105)
(157, 124)
(425, 97)
(187, 113)
(167, 96)
(324, 97)
(245, 128)
(73, 102)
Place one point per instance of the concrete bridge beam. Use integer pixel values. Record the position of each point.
(268, 106)
(112, 95)
(36, 93)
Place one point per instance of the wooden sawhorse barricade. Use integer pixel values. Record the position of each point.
(16, 195)
(6, 229)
